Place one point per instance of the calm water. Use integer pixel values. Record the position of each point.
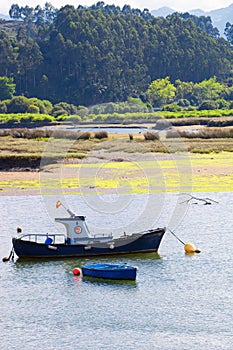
(178, 301)
(110, 130)
(113, 130)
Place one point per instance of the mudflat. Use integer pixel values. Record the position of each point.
(110, 172)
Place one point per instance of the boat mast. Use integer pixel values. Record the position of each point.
(59, 203)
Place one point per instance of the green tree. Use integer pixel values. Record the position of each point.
(161, 91)
(184, 89)
(15, 11)
(208, 89)
(29, 60)
(204, 22)
(7, 88)
(229, 32)
(8, 50)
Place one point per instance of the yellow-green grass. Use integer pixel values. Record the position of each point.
(19, 186)
(186, 173)
(193, 172)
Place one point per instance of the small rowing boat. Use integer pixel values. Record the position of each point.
(110, 271)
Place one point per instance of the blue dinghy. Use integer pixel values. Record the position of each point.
(111, 271)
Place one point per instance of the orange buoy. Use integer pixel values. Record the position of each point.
(76, 271)
(5, 259)
(190, 248)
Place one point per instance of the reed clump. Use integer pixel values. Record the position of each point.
(101, 135)
(71, 135)
(131, 137)
(151, 136)
(205, 133)
(26, 133)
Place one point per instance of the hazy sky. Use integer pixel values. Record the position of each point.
(178, 5)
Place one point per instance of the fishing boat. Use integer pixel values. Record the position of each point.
(110, 271)
(77, 241)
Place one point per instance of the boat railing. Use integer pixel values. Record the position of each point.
(109, 235)
(44, 237)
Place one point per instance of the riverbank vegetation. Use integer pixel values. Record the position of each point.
(23, 148)
(195, 103)
(160, 120)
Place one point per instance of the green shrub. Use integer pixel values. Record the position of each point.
(75, 119)
(48, 106)
(58, 111)
(69, 109)
(82, 111)
(190, 108)
(132, 105)
(172, 107)
(18, 104)
(3, 107)
(25, 119)
(38, 103)
(208, 105)
(33, 109)
(223, 104)
(183, 102)
(110, 108)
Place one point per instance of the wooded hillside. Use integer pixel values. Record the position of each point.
(87, 56)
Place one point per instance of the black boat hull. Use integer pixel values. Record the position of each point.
(144, 243)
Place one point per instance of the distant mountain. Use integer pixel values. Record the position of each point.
(162, 12)
(4, 17)
(219, 17)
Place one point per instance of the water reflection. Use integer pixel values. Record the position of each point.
(108, 282)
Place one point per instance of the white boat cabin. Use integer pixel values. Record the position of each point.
(77, 231)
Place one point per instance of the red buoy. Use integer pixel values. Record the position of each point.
(76, 271)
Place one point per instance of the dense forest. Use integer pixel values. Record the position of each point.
(86, 56)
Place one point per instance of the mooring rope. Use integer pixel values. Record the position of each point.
(11, 256)
(176, 236)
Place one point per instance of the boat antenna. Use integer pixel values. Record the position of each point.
(59, 203)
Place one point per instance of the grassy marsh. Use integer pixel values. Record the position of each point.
(118, 165)
(195, 173)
